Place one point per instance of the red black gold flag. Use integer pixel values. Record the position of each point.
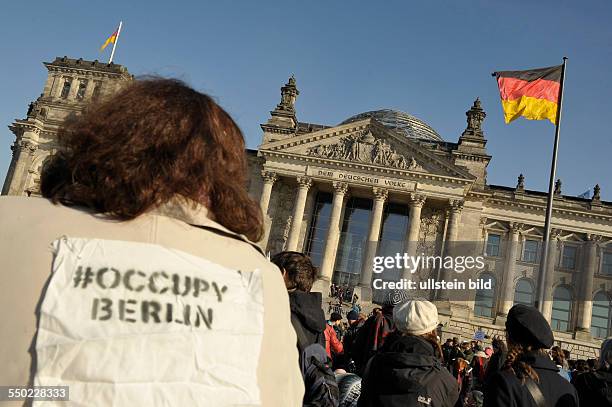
(533, 94)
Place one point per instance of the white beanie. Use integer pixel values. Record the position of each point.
(415, 317)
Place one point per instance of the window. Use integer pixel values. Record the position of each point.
(568, 260)
(485, 299)
(606, 264)
(66, 88)
(353, 241)
(523, 294)
(561, 309)
(392, 240)
(317, 235)
(493, 244)
(82, 87)
(530, 251)
(97, 90)
(600, 322)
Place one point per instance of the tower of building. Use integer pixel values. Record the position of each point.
(71, 84)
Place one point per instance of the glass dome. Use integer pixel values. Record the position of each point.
(400, 121)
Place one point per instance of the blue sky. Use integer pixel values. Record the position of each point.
(430, 59)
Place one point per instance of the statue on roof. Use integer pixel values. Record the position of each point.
(475, 117)
(289, 94)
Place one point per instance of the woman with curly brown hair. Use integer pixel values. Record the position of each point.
(528, 376)
(157, 295)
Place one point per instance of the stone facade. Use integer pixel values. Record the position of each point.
(313, 180)
(444, 185)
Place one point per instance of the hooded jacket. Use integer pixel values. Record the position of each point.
(306, 310)
(332, 343)
(506, 390)
(405, 369)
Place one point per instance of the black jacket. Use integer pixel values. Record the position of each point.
(306, 310)
(506, 390)
(405, 368)
(371, 337)
(594, 388)
(496, 362)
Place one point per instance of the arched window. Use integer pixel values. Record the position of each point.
(600, 322)
(523, 294)
(561, 309)
(484, 302)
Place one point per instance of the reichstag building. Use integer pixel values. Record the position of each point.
(343, 192)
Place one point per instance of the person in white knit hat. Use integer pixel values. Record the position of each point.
(408, 369)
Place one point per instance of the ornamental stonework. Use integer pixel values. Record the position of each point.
(363, 146)
(281, 210)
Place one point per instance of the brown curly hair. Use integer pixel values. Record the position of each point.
(301, 273)
(153, 140)
(514, 361)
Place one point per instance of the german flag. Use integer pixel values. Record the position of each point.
(110, 40)
(533, 94)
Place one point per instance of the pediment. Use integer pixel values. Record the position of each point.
(369, 143)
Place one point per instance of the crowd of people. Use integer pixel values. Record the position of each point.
(396, 358)
(163, 166)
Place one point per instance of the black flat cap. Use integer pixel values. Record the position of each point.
(527, 326)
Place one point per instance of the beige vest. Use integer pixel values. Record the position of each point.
(30, 226)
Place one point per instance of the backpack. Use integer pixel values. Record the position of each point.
(412, 392)
(349, 385)
(320, 387)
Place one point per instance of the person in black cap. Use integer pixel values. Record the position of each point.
(335, 320)
(528, 376)
(355, 322)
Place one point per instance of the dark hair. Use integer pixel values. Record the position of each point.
(301, 273)
(558, 356)
(514, 361)
(567, 354)
(154, 140)
(432, 338)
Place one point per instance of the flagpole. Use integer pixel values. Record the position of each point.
(541, 286)
(115, 43)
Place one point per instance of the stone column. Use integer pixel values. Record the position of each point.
(269, 177)
(304, 184)
(23, 154)
(583, 330)
(380, 196)
(60, 85)
(454, 216)
(549, 281)
(333, 233)
(90, 88)
(414, 227)
(47, 91)
(453, 224)
(74, 87)
(56, 90)
(507, 288)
